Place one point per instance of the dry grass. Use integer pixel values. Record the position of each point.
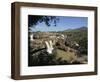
(68, 56)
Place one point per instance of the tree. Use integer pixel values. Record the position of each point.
(83, 45)
(33, 20)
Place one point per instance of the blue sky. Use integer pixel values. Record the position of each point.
(64, 23)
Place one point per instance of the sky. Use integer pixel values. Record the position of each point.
(64, 23)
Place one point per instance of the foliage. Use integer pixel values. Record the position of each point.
(33, 20)
(79, 36)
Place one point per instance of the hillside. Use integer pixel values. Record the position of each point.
(77, 35)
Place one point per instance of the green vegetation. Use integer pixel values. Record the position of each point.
(79, 36)
(34, 20)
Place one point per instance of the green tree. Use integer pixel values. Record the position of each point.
(33, 20)
(83, 45)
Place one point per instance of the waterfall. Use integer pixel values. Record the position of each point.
(31, 37)
(49, 46)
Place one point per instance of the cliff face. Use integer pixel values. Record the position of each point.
(40, 38)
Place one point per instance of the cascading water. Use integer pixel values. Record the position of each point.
(31, 37)
(49, 45)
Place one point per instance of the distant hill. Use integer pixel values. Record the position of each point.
(76, 30)
(78, 35)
